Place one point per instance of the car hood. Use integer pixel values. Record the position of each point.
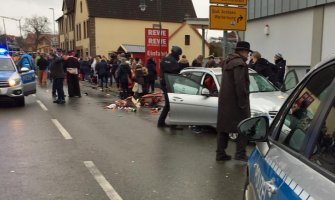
(4, 75)
(267, 101)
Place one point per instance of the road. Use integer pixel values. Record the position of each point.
(82, 151)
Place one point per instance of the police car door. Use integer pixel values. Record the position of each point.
(28, 80)
(286, 172)
(187, 105)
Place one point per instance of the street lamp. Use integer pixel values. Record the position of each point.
(53, 19)
(143, 7)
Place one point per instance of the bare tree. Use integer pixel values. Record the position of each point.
(36, 25)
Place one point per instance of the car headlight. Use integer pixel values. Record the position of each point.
(14, 82)
(256, 113)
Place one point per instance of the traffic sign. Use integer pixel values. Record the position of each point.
(228, 18)
(230, 2)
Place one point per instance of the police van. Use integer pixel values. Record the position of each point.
(294, 158)
(15, 83)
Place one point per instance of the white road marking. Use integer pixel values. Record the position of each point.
(42, 105)
(104, 184)
(61, 129)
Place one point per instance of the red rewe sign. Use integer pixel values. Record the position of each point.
(152, 41)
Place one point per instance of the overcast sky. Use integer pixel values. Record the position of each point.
(27, 8)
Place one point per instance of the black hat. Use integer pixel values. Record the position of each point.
(243, 45)
(176, 50)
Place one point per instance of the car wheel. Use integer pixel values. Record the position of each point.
(20, 102)
(233, 136)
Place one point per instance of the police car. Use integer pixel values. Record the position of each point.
(15, 83)
(294, 158)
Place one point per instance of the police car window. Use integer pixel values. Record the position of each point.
(324, 154)
(183, 85)
(196, 76)
(6, 65)
(299, 117)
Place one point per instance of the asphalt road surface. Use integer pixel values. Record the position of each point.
(80, 150)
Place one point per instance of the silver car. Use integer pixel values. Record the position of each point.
(195, 102)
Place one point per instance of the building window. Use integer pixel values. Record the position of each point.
(81, 6)
(79, 31)
(87, 27)
(187, 39)
(84, 29)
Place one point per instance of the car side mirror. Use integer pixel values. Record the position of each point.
(255, 129)
(205, 92)
(291, 80)
(24, 69)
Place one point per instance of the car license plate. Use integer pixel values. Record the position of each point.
(3, 90)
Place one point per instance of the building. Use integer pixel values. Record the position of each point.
(46, 43)
(101, 27)
(302, 30)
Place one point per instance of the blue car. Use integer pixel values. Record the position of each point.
(294, 157)
(15, 83)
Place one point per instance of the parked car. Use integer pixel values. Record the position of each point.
(294, 157)
(14, 83)
(193, 96)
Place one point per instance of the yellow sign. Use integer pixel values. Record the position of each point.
(230, 2)
(228, 18)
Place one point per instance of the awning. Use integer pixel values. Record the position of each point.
(131, 48)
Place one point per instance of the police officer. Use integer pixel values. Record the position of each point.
(168, 65)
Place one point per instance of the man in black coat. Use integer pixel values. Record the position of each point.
(57, 73)
(281, 64)
(234, 103)
(168, 65)
(102, 70)
(71, 64)
(263, 67)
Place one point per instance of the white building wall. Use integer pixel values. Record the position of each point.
(290, 34)
(328, 44)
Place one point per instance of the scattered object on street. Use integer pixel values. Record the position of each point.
(112, 106)
(121, 103)
(151, 99)
(86, 93)
(136, 102)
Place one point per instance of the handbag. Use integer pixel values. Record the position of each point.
(135, 87)
(72, 70)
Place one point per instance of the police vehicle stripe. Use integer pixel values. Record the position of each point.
(298, 190)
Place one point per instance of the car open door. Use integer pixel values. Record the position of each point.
(189, 104)
(28, 80)
(291, 80)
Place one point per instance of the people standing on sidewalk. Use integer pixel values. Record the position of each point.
(211, 62)
(169, 65)
(184, 62)
(281, 65)
(124, 76)
(71, 65)
(138, 78)
(234, 103)
(85, 68)
(198, 61)
(42, 64)
(152, 74)
(57, 73)
(102, 70)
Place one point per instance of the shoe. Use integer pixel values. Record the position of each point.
(223, 157)
(196, 129)
(54, 95)
(61, 102)
(161, 125)
(243, 158)
(56, 101)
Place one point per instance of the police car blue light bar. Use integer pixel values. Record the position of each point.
(3, 51)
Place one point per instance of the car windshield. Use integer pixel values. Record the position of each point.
(6, 64)
(257, 83)
(260, 84)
